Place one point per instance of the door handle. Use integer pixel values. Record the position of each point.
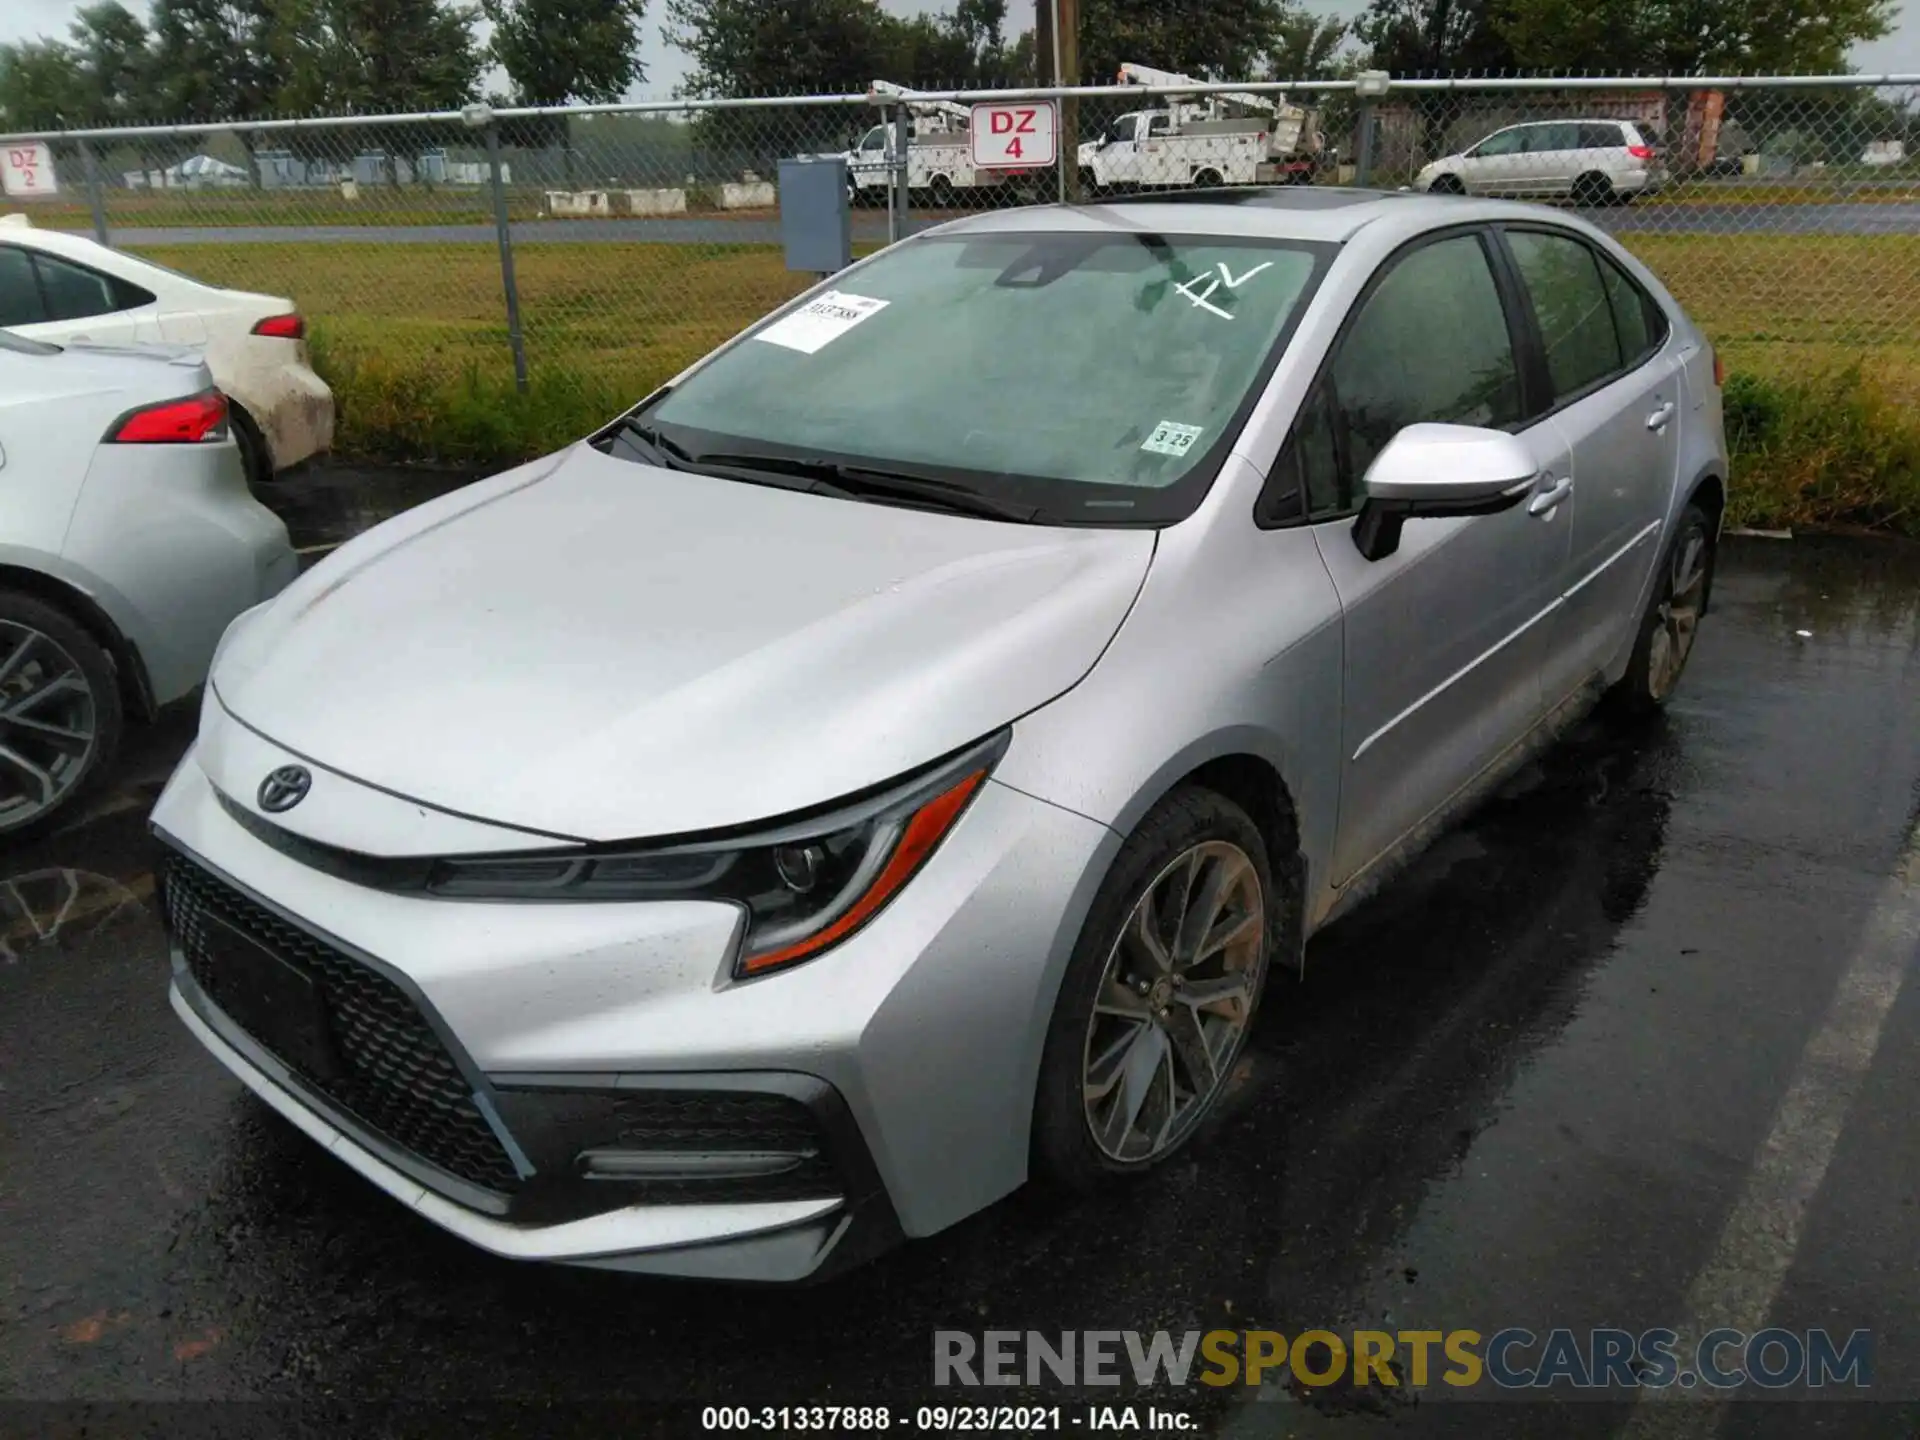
(1657, 421)
(1545, 502)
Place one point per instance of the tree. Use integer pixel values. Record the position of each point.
(1689, 37)
(371, 56)
(776, 47)
(1308, 47)
(555, 51)
(1432, 37)
(110, 48)
(41, 87)
(216, 59)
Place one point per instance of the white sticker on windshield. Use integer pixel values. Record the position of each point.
(1169, 438)
(823, 318)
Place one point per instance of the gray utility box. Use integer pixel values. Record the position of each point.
(816, 219)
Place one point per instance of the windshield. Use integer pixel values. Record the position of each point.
(1093, 376)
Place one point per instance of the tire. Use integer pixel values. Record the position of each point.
(1207, 179)
(1081, 1140)
(255, 458)
(1664, 642)
(60, 714)
(1446, 185)
(942, 193)
(1592, 189)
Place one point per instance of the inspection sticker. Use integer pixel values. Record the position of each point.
(1169, 438)
(823, 318)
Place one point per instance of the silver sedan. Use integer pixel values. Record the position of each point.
(889, 763)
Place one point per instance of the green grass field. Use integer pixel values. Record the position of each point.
(414, 337)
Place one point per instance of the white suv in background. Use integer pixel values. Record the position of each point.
(1596, 162)
(70, 290)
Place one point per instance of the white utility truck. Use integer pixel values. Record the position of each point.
(939, 154)
(1221, 139)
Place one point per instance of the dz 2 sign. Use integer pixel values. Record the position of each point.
(1013, 134)
(26, 168)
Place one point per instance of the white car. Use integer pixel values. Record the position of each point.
(1596, 162)
(69, 289)
(128, 540)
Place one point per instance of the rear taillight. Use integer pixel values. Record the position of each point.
(173, 422)
(1640, 152)
(1719, 371)
(282, 327)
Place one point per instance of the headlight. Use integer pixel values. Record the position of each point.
(805, 885)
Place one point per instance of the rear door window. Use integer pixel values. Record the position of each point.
(20, 302)
(1562, 279)
(1557, 136)
(1639, 320)
(1600, 137)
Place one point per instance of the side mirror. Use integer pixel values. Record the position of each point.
(1439, 470)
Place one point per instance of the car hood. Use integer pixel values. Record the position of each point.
(603, 650)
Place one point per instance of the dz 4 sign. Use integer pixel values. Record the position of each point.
(1013, 134)
(26, 168)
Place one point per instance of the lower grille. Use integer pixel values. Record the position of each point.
(717, 1122)
(394, 1075)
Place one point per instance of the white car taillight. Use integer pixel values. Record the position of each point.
(173, 422)
(282, 327)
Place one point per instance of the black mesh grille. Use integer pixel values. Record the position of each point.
(395, 1076)
(707, 1121)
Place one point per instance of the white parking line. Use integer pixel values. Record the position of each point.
(1737, 1286)
(318, 549)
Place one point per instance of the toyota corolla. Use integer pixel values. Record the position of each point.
(893, 760)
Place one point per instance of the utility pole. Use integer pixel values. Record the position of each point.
(1066, 24)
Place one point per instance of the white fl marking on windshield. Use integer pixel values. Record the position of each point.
(1204, 299)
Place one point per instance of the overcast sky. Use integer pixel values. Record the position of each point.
(1899, 53)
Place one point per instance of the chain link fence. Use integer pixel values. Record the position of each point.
(489, 264)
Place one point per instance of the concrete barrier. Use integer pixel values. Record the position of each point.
(656, 202)
(747, 195)
(578, 202)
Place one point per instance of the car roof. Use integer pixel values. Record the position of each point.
(85, 250)
(1285, 212)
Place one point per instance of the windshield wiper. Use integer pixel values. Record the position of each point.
(860, 482)
(669, 453)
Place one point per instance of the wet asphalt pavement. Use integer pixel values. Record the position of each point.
(1537, 1081)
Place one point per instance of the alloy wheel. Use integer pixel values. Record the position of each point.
(1174, 1000)
(48, 724)
(1678, 616)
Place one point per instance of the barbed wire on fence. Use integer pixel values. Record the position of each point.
(1783, 211)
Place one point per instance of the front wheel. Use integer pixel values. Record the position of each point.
(1446, 185)
(1159, 995)
(1672, 617)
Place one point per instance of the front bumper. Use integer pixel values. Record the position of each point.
(910, 1050)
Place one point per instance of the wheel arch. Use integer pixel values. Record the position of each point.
(242, 420)
(136, 688)
(1242, 768)
(1709, 492)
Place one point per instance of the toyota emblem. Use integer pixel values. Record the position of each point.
(285, 788)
